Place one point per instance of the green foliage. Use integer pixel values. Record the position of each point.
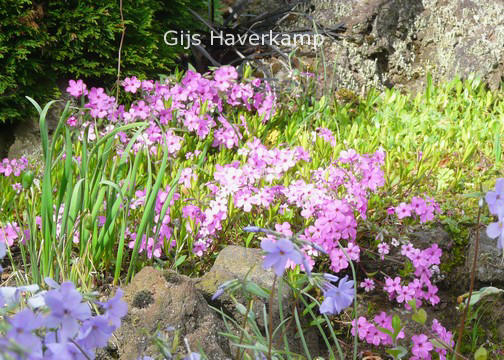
(42, 42)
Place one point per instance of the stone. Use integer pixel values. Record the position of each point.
(423, 238)
(156, 299)
(490, 263)
(237, 262)
(395, 43)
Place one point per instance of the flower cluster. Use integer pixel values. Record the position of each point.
(421, 287)
(196, 103)
(13, 167)
(422, 208)
(252, 187)
(153, 245)
(58, 324)
(370, 332)
(422, 346)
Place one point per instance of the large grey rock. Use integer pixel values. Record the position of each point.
(156, 299)
(236, 262)
(396, 42)
(490, 265)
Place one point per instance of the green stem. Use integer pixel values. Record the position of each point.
(270, 313)
(355, 300)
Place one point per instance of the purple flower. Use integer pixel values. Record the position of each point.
(65, 350)
(131, 84)
(496, 198)
(496, 229)
(66, 309)
(254, 229)
(278, 253)
(95, 332)
(22, 324)
(336, 299)
(115, 309)
(193, 356)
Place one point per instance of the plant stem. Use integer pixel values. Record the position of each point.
(471, 287)
(238, 351)
(119, 55)
(270, 313)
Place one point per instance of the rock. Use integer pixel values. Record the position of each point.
(6, 138)
(423, 238)
(235, 262)
(26, 141)
(397, 42)
(490, 265)
(161, 300)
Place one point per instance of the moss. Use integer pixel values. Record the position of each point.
(171, 277)
(143, 299)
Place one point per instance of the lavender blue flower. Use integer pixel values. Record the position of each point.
(21, 326)
(115, 308)
(496, 229)
(336, 299)
(278, 253)
(95, 332)
(496, 198)
(66, 309)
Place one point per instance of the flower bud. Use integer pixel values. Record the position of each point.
(88, 222)
(27, 179)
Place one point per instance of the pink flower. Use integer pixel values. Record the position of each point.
(338, 260)
(9, 233)
(421, 346)
(362, 327)
(391, 286)
(403, 210)
(383, 249)
(418, 205)
(284, 228)
(368, 285)
(77, 88)
(72, 121)
(131, 84)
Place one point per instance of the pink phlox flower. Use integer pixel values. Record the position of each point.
(392, 285)
(349, 156)
(338, 260)
(383, 249)
(418, 205)
(131, 84)
(77, 88)
(368, 285)
(9, 232)
(362, 327)
(421, 346)
(403, 210)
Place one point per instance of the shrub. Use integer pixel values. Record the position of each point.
(50, 40)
